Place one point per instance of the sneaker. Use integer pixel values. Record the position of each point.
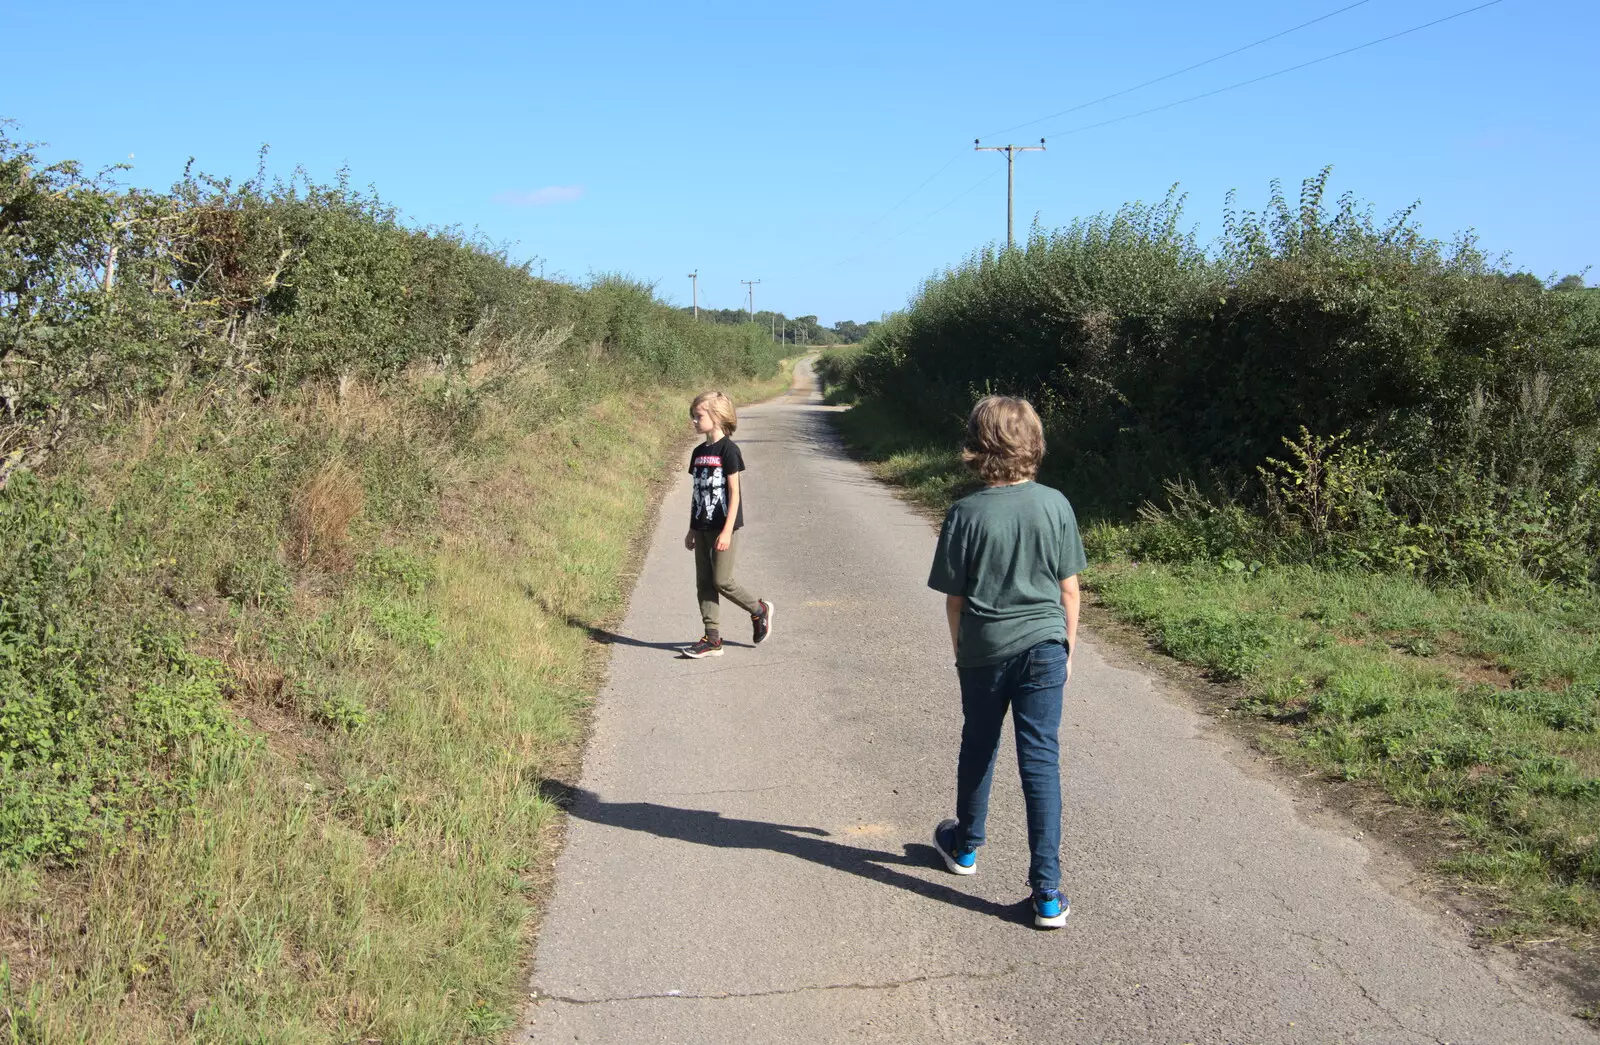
(962, 861)
(1050, 908)
(762, 622)
(704, 648)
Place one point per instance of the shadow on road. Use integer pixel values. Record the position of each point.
(708, 827)
(611, 638)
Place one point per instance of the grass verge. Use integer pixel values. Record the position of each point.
(355, 843)
(1477, 716)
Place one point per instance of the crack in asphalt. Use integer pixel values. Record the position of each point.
(1352, 980)
(1318, 946)
(539, 997)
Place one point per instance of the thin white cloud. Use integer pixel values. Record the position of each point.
(541, 197)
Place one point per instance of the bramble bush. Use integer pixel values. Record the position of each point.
(110, 296)
(1441, 416)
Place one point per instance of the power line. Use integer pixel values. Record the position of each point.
(958, 198)
(1185, 69)
(863, 230)
(1280, 72)
(963, 194)
(1159, 108)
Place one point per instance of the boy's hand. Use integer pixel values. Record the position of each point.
(688, 540)
(724, 541)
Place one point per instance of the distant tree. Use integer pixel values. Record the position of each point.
(1525, 280)
(851, 332)
(1572, 282)
(727, 316)
(792, 330)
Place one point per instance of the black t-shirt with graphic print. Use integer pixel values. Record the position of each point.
(711, 464)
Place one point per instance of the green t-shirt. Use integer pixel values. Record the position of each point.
(1007, 549)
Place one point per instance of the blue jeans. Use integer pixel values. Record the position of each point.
(1030, 684)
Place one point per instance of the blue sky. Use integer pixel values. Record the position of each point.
(769, 143)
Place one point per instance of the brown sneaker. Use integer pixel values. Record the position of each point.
(704, 648)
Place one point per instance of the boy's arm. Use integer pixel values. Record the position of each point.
(953, 605)
(688, 537)
(725, 538)
(1069, 601)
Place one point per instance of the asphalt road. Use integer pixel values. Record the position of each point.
(747, 855)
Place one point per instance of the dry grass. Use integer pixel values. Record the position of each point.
(321, 514)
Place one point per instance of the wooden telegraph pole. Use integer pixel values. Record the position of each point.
(750, 284)
(1011, 179)
(694, 291)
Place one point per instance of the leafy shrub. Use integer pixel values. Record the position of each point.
(1442, 417)
(103, 716)
(1195, 528)
(108, 296)
(835, 369)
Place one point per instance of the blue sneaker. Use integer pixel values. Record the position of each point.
(1050, 908)
(963, 861)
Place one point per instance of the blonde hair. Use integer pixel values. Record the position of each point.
(1005, 440)
(720, 407)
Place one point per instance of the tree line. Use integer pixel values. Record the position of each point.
(793, 330)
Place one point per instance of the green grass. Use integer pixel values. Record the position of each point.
(348, 843)
(925, 468)
(1478, 714)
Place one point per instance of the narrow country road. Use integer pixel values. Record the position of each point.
(747, 856)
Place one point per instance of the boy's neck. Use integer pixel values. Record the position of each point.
(1001, 486)
(716, 435)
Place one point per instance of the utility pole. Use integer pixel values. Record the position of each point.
(694, 291)
(750, 284)
(1011, 178)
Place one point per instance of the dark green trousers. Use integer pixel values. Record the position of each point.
(713, 578)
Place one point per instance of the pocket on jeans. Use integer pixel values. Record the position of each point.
(1047, 664)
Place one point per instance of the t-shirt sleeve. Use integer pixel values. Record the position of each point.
(732, 459)
(949, 572)
(1072, 558)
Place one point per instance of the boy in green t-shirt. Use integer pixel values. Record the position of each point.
(1008, 562)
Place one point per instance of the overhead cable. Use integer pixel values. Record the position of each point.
(1280, 72)
(1180, 72)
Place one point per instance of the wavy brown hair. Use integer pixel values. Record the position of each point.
(1005, 441)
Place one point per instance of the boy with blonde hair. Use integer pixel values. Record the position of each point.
(1008, 561)
(716, 513)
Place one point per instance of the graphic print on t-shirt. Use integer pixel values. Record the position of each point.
(710, 490)
(711, 465)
